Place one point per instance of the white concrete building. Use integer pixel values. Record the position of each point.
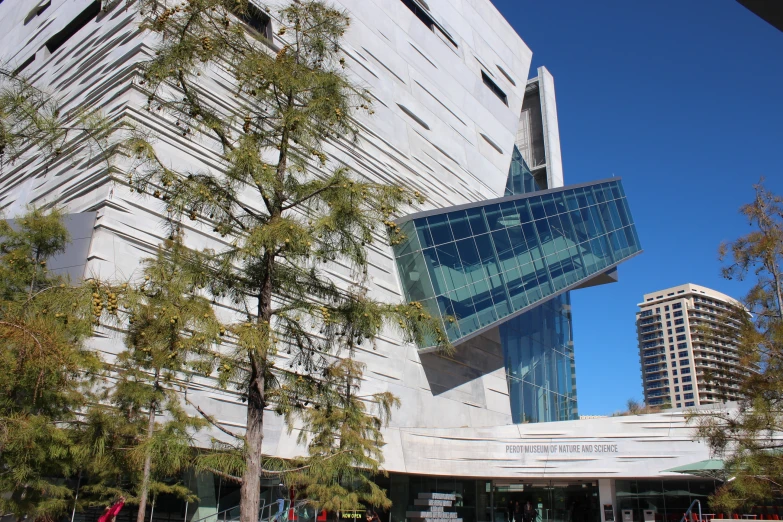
(499, 245)
(681, 364)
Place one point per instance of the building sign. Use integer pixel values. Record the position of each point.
(352, 515)
(560, 449)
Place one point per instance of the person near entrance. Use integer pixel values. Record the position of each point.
(529, 513)
(282, 496)
(517, 512)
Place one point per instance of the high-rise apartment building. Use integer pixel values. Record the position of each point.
(685, 360)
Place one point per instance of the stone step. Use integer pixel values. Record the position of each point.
(418, 519)
(440, 515)
(438, 496)
(432, 502)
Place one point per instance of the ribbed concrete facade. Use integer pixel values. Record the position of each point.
(437, 128)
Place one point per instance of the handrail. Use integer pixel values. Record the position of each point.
(223, 516)
(266, 513)
(690, 511)
(217, 516)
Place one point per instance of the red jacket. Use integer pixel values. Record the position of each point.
(112, 512)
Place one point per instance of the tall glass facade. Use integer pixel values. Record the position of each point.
(539, 354)
(520, 179)
(482, 263)
(537, 345)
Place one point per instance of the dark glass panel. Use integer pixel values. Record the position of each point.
(470, 259)
(537, 207)
(425, 236)
(523, 209)
(560, 202)
(549, 204)
(505, 252)
(440, 229)
(477, 223)
(460, 226)
(494, 216)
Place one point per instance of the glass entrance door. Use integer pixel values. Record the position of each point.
(553, 501)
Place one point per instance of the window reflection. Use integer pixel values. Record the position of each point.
(487, 262)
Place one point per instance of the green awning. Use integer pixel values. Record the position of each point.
(712, 468)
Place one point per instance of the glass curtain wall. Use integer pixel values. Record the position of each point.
(473, 502)
(476, 266)
(668, 499)
(539, 354)
(554, 501)
(520, 179)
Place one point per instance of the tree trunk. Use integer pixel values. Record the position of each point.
(250, 499)
(145, 481)
(250, 493)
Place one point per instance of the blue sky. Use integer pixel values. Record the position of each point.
(684, 100)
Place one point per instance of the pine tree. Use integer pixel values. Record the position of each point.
(169, 327)
(289, 210)
(344, 440)
(34, 125)
(45, 369)
(47, 372)
(745, 438)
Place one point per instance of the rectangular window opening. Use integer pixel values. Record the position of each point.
(420, 13)
(421, 10)
(257, 20)
(494, 87)
(24, 65)
(37, 11)
(43, 8)
(85, 17)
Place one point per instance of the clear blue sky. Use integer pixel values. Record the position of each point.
(684, 100)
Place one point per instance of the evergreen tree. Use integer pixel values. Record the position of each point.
(169, 326)
(44, 318)
(45, 370)
(344, 441)
(745, 438)
(289, 212)
(34, 125)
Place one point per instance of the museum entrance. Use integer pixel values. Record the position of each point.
(553, 501)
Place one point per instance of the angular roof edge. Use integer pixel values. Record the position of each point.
(483, 202)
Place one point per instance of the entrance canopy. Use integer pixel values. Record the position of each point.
(711, 468)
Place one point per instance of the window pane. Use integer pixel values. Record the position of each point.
(494, 217)
(505, 251)
(477, 223)
(470, 259)
(451, 267)
(459, 224)
(440, 229)
(523, 209)
(536, 207)
(549, 204)
(425, 236)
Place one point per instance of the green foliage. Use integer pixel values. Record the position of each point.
(635, 407)
(146, 436)
(745, 437)
(344, 441)
(292, 217)
(45, 370)
(33, 122)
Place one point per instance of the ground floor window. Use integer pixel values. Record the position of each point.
(553, 501)
(668, 499)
